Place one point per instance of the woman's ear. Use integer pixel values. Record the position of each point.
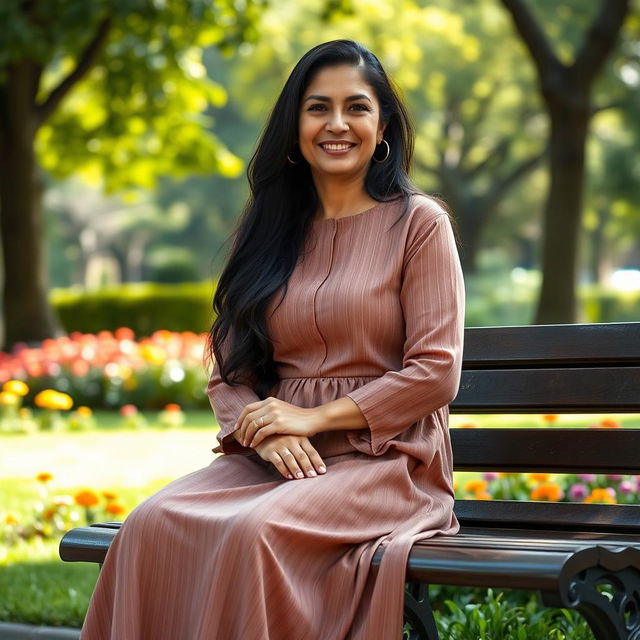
(381, 127)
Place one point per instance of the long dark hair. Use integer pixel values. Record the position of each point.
(281, 206)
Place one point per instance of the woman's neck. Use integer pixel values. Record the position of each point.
(339, 197)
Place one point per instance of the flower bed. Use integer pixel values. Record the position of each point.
(109, 370)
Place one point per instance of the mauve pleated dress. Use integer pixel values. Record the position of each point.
(373, 311)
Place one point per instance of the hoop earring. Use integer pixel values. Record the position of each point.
(387, 154)
(290, 160)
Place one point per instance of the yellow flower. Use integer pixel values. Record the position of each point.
(17, 387)
(44, 477)
(8, 399)
(84, 412)
(52, 399)
(87, 498)
(547, 491)
(10, 519)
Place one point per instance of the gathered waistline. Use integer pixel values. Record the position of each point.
(325, 377)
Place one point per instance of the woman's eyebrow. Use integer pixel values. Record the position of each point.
(358, 96)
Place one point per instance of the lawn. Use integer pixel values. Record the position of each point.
(35, 585)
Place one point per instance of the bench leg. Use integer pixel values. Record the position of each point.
(418, 613)
(608, 599)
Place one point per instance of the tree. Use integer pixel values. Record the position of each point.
(113, 90)
(566, 89)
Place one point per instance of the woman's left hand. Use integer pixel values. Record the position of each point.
(259, 420)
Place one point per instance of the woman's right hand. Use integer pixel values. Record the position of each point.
(292, 456)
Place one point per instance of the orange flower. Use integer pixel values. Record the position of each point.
(600, 495)
(124, 333)
(476, 486)
(44, 477)
(550, 418)
(547, 491)
(609, 423)
(467, 425)
(109, 495)
(115, 508)
(84, 412)
(128, 410)
(86, 498)
(539, 477)
(17, 387)
(172, 407)
(49, 513)
(485, 495)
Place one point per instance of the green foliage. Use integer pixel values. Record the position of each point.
(485, 615)
(138, 112)
(144, 308)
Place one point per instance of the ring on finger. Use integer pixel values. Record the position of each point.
(286, 452)
(262, 421)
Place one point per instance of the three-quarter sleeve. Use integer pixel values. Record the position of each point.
(227, 403)
(432, 300)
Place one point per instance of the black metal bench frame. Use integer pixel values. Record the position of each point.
(566, 551)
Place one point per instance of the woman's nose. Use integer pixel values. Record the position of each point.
(337, 122)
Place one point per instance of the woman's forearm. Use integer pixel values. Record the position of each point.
(341, 415)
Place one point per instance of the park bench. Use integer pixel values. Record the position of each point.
(578, 556)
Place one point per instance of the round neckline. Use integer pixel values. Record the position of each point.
(353, 215)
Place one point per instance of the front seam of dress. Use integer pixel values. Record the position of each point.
(315, 294)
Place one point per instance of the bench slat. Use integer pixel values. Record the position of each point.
(581, 390)
(561, 516)
(549, 450)
(591, 344)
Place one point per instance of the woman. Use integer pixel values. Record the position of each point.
(337, 349)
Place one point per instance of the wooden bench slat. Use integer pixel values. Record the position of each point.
(564, 390)
(611, 451)
(573, 344)
(562, 516)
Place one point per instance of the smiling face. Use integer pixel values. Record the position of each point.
(339, 123)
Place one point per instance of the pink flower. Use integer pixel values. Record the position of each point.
(128, 410)
(587, 477)
(615, 477)
(626, 487)
(490, 475)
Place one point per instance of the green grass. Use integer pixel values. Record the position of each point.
(36, 587)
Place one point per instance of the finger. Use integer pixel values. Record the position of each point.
(253, 427)
(315, 458)
(305, 463)
(279, 464)
(262, 433)
(292, 463)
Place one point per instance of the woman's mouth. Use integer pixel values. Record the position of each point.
(337, 148)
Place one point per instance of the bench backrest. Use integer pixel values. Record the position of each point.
(582, 368)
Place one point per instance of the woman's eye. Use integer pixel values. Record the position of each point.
(316, 107)
(360, 107)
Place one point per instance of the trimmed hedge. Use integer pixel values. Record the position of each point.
(143, 307)
(146, 307)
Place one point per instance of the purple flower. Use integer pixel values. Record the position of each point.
(611, 491)
(587, 477)
(615, 477)
(490, 475)
(578, 492)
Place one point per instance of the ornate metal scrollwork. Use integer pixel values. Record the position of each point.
(607, 595)
(418, 613)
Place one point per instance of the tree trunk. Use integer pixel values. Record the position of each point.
(27, 314)
(563, 211)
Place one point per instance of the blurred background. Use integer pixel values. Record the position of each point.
(127, 128)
